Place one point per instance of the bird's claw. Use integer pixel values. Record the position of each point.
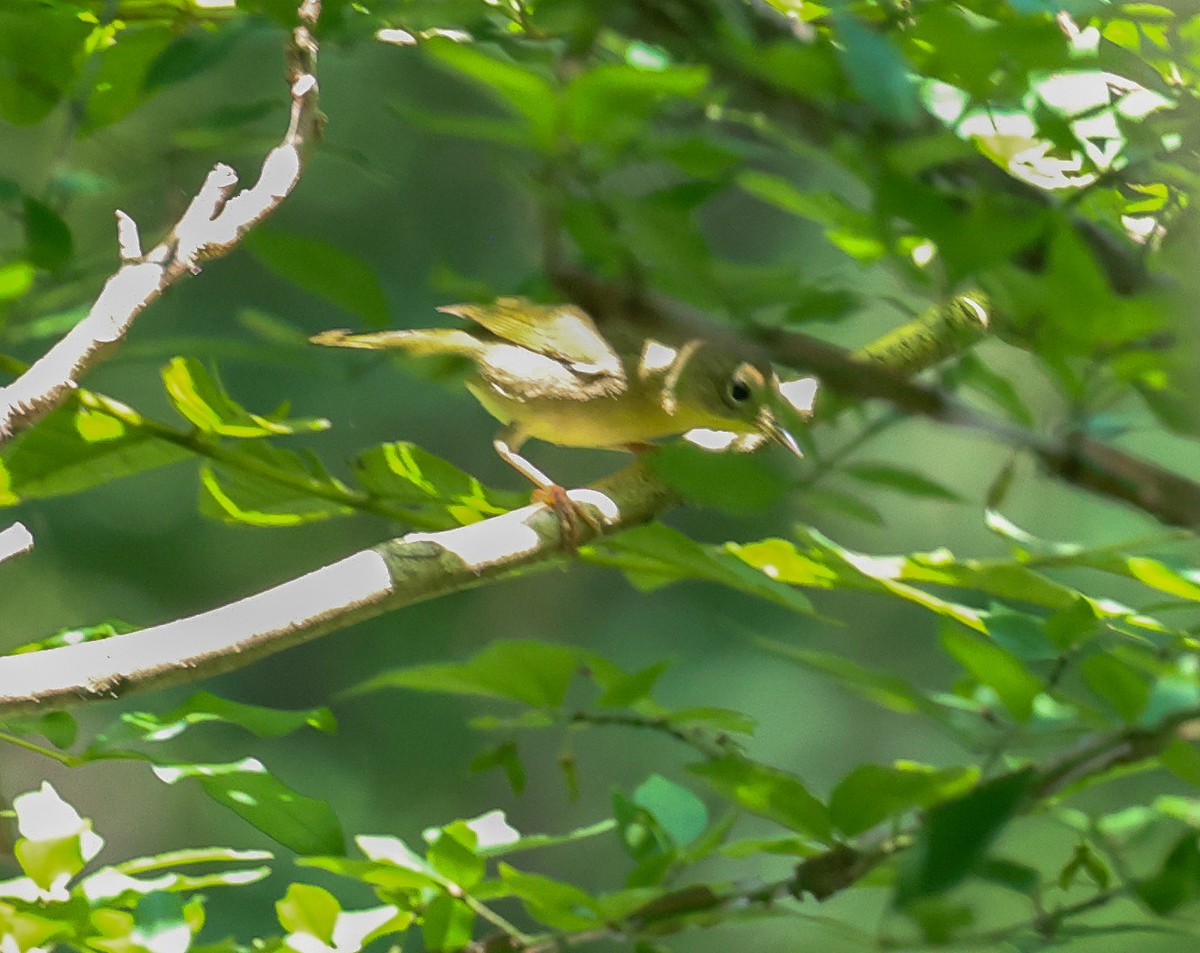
(569, 514)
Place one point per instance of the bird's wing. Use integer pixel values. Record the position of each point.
(420, 341)
(562, 332)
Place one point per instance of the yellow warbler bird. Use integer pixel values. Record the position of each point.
(548, 372)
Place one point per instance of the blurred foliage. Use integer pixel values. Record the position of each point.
(1044, 152)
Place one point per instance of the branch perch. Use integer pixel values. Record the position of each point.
(395, 573)
(213, 223)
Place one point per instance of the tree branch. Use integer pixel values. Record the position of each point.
(213, 223)
(14, 541)
(396, 573)
(1076, 459)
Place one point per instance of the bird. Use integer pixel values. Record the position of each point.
(550, 373)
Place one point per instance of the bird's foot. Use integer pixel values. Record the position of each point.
(570, 514)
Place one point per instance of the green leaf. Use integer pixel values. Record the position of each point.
(447, 925)
(534, 673)
(121, 83)
(207, 708)
(829, 499)
(57, 727)
(997, 668)
(646, 841)
(310, 910)
(41, 50)
(75, 448)
(902, 480)
(659, 231)
(303, 824)
(1023, 634)
(557, 905)
(323, 270)
(612, 103)
(853, 231)
(1177, 881)
(1117, 683)
(48, 241)
(882, 688)
(454, 855)
(1160, 576)
(409, 476)
(1008, 873)
(260, 485)
(55, 842)
(871, 794)
(767, 791)
(1182, 760)
(191, 53)
(655, 555)
(679, 812)
(999, 389)
(876, 70)
(957, 834)
(200, 398)
(523, 90)
(623, 689)
(391, 866)
(735, 482)
(825, 565)
(16, 279)
(506, 757)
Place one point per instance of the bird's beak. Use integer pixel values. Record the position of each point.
(771, 428)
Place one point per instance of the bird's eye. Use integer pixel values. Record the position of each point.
(739, 390)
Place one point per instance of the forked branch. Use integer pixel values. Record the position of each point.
(214, 222)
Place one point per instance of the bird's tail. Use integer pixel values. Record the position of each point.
(420, 341)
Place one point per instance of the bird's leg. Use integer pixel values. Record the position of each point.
(549, 493)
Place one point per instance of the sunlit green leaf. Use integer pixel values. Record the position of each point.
(261, 485)
(454, 854)
(303, 824)
(199, 397)
(656, 555)
(309, 909)
(412, 477)
(75, 448)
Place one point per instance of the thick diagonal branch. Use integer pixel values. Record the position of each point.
(396, 573)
